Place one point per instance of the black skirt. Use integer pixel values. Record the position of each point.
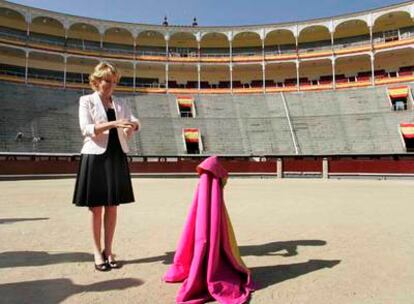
(104, 179)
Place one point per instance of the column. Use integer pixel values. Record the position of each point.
(333, 73)
(373, 69)
(371, 38)
(66, 37)
(166, 48)
(263, 67)
(135, 48)
(297, 44)
(297, 60)
(65, 60)
(263, 49)
(231, 50)
(264, 76)
(28, 30)
(26, 68)
(231, 77)
(297, 74)
(167, 56)
(166, 76)
(198, 50)
(199, 76)
(134, 81)
(231, 64)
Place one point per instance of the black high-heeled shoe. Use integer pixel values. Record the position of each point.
(103, 266)
(112, 264)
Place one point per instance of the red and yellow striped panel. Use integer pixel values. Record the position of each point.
(185, 101)
(191, 135)
(407, 130)
(398, 92)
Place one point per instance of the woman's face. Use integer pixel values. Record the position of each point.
(107, 85)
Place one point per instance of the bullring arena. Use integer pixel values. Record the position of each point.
(313, 121)
(306, 241)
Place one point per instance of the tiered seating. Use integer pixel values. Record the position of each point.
(11, 33)
(326, 79)
(204, 85)
(345, 121)
(172, 84)
(341, 78)
(406, 71)
(147, 82)
(380, 74)
(160, 134)
(118, 48)
(364, 76)
(348, 121)
(179, 52)
(280, 49)
(48, 39)
(83, 44)
(218, 120)
(257, 83)
(264, 125)
(77, 77)
(215, 52)
(406, 32)
(315, 45)
(7, 69)
(247, 51)
(150, 50)
(340, 43)
(304, 81)
(45, 74)
(142, 82)
(126, 82)
(47, 119)
(291, 82)
(237, 84)
(192, 84)
(224, 84)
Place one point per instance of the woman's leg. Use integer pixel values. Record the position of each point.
(109, 225)
(96, 232)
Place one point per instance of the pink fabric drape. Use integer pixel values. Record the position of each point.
(207, 259)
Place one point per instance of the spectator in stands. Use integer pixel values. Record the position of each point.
(36, 139)
(19, 136)
(103, 181)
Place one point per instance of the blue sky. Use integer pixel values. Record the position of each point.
(208, 13)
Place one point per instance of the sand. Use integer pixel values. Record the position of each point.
(305, 240)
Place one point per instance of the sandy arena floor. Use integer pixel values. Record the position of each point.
(306, 241)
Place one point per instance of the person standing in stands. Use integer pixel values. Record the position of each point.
(103, 181)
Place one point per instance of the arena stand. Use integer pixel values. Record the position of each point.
(349, 131)
(326, 97)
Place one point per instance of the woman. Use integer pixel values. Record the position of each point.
(103, 181)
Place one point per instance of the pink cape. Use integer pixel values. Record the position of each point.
(207, 258)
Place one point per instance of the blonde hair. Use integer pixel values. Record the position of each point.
(103, 70)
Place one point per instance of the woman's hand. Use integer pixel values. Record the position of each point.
(126, 125)
(128, 131)
(136, 126)
(123, 123)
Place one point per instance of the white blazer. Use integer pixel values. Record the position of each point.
(91, 112)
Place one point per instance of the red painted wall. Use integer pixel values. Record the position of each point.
(337, 164)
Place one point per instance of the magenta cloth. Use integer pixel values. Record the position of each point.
(207, 259)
